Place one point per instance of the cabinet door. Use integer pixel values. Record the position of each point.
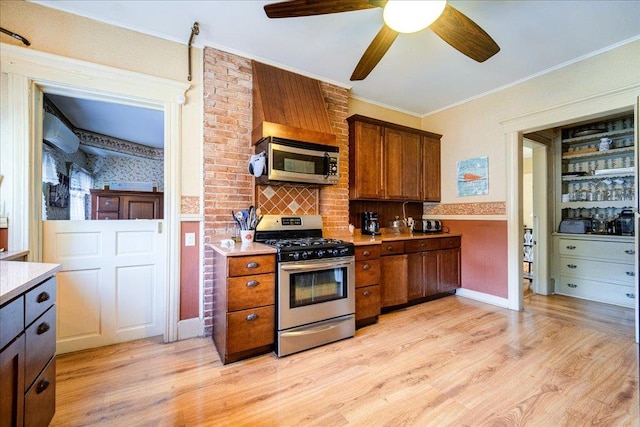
(12, 361)
(431, 169)
(411, 167)
(365, 161)
(141, 207)
(415, 275)
(449, 270)
(431, 266)
(393, 279)
(393, 167)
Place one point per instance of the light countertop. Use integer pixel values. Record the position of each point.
(12, 255)
(18, 277)
(242, 249)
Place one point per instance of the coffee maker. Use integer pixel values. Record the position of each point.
(369, 223)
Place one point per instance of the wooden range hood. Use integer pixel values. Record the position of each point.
(288, 105)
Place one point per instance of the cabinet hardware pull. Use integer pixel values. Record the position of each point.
(630, 273)
(571, 247)
(630, 295)
(107, 203)
(252, 283)
(366, 267)
(252, 265)
(422, 245)
(366, 293)
(42, 386)
(572, 285)
(252, 317)
(572, 266)
(390, 248)
(366, 253)
(42, 328)
(42, 297)
(630, 251)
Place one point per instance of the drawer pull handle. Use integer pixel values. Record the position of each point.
(572, 285)
(42, 297)
(366, 267)
(252, 283)
(42, 328)
(253, 265)
(572, 266)
(630, 273)
(571, 247)
(366, 253)
(251, 317)
(630, 251)
(107, 203)
(42, 386)
(366, 293)
(422, 245)
(630, 295)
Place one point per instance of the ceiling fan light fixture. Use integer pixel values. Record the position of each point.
(411, 16)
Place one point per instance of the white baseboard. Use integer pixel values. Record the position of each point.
(190, 328)
(482, 297)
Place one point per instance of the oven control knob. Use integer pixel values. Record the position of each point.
(343, 251)
(304, 255)
(320, 253)
(295, 256)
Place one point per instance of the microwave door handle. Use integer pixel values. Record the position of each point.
(326, 165)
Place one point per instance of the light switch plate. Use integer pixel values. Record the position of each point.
(189, 239)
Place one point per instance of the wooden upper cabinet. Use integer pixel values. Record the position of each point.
(431, 169)
(392, 162)
(365, 161)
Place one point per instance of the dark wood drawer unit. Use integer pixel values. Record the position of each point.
(244, 305)
(114, 204)
(392, 248)
(367, 284)
(27, 357)
(422, 245)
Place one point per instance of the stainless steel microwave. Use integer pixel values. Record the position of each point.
(299, 162)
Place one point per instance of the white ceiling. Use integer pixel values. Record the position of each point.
(420, 73)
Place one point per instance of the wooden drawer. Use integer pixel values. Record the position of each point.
(248, 265)
(367, 252)
(40, 345)
(449, 242)
(107, 215)
(11, 321)
(392, 248)
(40, 400)
(609, 251)
(367, 302)
(251, 291)
(367, 273)
(597, 291)
(108, 204)
(249, 329)
(422, 245)
(39, 299)
(590, 269)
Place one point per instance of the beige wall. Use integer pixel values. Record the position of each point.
(76, 37)
(363, 108)
(474, 128)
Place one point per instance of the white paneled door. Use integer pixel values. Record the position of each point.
(112, 286)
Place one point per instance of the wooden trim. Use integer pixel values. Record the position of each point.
(359, 118)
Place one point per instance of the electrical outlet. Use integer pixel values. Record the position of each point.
(189, 239)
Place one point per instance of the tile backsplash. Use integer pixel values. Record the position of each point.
(287, 199)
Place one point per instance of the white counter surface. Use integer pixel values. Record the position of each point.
(18, 277)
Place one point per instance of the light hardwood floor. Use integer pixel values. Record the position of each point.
(450, 362)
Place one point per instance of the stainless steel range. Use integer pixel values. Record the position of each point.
(315, 292)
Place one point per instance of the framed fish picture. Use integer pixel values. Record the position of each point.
(473, 176)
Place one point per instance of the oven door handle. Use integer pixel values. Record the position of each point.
(309, 330)
(313, 266)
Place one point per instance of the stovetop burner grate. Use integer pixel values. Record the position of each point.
(303, 242)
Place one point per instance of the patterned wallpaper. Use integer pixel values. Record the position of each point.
(129, 169)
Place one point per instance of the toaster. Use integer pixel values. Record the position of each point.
(428, 226)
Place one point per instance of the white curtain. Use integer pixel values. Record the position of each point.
(49, 176)
(80, 182)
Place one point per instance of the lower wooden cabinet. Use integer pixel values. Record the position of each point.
(244, 305)
(27, 357)
(393, 279)
(367, 284)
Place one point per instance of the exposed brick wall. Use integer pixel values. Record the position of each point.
(227, 147)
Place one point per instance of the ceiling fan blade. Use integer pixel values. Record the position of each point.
(464, 35)
(293, 8)
(374, 53)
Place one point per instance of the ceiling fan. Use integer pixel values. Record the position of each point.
(447, 22)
